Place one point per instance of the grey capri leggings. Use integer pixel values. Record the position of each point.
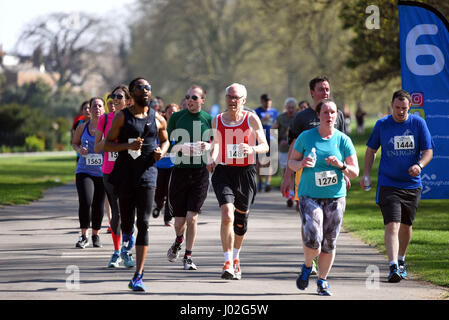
(321, 221)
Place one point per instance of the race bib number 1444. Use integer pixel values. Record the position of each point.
(404, 142)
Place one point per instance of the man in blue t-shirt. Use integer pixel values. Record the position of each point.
(267, 116)
(407, 147)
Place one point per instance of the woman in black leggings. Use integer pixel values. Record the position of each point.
(136, 129)
(89, 178)
(120, 99)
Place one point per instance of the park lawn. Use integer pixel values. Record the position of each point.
(23, 179)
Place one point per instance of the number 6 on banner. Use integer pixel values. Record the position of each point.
(414, 50)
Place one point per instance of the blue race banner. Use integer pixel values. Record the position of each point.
(424, 38)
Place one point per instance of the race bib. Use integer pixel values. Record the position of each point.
(94, 159)
(112, 156)
(134, 153)
(326, 178)
(192, 149)
(234, 151)
(404, 142)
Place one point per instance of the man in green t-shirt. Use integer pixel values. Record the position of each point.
(191, 130)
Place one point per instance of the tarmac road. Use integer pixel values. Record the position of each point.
(39, 260)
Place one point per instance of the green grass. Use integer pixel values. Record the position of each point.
(23, 179)
(428, 252)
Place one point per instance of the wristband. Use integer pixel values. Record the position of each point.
(420, 165)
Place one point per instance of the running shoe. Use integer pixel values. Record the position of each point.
(96, 243)
(136, 283)
(156, 212)
(402, 269)
(289, 203)
(323, 288)
(314, 267)
(267, 188)
(168, 223)
(82, 242)
(127, 257)
(394, 275)
(115, 260)
(237, 270)
(173, 252)
(228, 271)
(302, 281)
(188, 264)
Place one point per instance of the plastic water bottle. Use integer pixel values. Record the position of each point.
(312, 155)
(87, 146)
(366, 183)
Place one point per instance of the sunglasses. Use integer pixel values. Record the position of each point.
(194, 98)
(143, 86)
(118, 96)
(233, 97)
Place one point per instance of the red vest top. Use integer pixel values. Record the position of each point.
(230, 137)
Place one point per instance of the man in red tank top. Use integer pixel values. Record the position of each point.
(235, 178)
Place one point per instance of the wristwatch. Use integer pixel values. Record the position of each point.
(420, 165)
(344, 167)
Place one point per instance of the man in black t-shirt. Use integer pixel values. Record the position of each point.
(307, 119)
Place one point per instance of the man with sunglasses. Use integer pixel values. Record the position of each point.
(189, 182)
(134, 133)
(235, 176)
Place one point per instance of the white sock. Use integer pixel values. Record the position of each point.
(401, 258)
(392, 262)
(236, 253)
(228, 256)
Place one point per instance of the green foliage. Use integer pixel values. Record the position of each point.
(375, 53)
(34, 110)
(33, 143)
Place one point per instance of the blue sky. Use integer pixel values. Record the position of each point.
(15, 14)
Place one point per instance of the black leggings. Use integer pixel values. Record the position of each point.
(113, 202)
(91, 200)
(141, 200)
(161, 195)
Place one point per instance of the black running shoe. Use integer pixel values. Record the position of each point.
(96, 243)
(82, 242)
(156, 212)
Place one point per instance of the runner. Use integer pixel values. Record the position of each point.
(164, 169)
(89, 178)
(120, 99)
(305, 120)
(282, 123)
(81, 117)
(189, 181)
(407, 147)
(136, 129)
(322, 191)
(235, 177)
(267, 115)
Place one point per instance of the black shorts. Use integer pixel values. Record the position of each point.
(236, 185)
(187, 190)
(398, 205)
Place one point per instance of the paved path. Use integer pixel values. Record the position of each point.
(38, 259)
